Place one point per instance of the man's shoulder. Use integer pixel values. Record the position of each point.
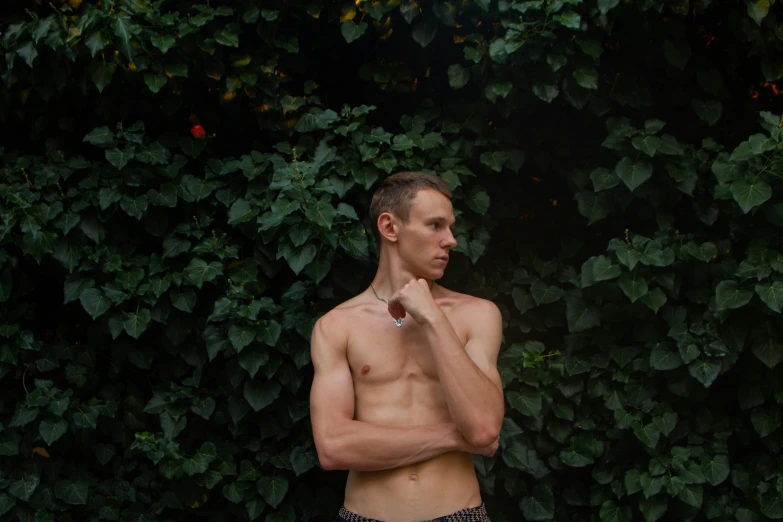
(340, 317)
(471, 304)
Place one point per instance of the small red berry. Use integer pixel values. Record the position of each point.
(198, 132)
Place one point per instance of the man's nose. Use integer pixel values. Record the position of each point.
(451, 241)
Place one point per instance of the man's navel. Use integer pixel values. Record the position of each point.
(365, 369)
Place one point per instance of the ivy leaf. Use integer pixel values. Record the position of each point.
(705, 371)
(633, 286)
(648, 434)
(424, 31)
(709, 111)
(28, 52)
(765, 421)
(104, 453)
(204, 408)
(653, 508)
(458, 76)
(604, 179)
(94, 302)
(164, 42)
(120, 158)
(654, 299)
(273, 489)
(352, 31)
(259, 396)
(72, 492)
(540, 505)
(749, 195)
(24, 487)
(570, 19)
(729, 295)
(100, 136)
(604, 270)
(478, 200)
(240, 336)
(298, 258)
(102, 73)
(771, 294)
(546, 92)
(321, 213)
(607, 5)
(526, 403)
(253, 359)
(633, 173)
(241, 212)
(769, 351)
(647, 144)
(52, 431)
(692, 495)
(135, 323)
(199, 271)
(544, 294)
(716, 469)
(580, 316)
(228, 36)
(593, 206)
(587, 77)
(155, 82)
(663, 358)
(7, 502)
(494, 160)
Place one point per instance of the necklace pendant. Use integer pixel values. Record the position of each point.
(398, 322)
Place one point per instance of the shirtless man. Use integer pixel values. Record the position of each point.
(404, 393)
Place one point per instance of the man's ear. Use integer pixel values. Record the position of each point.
(387, 226)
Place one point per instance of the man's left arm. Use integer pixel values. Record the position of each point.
(468, 374)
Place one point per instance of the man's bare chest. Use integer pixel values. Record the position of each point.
(379, 352)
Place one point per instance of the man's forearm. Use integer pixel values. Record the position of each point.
(362, 446)
(474, 401)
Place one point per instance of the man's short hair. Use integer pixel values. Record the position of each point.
(397, 191)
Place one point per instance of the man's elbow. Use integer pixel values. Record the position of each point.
(328, 456)
(484, 434)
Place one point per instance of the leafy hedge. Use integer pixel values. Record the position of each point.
(183, 193)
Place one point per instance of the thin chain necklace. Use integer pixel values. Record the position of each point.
(397, 322)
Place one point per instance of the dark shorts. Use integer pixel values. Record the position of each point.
(474, 514)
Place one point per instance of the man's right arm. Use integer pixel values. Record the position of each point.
(344, 443)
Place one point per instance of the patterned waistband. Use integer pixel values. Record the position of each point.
(474, 514)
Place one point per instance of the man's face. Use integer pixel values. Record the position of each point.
(425, 240)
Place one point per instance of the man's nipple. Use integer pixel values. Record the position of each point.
(414, 476)
(365, 369)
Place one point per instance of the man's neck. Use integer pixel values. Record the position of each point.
(390, 279)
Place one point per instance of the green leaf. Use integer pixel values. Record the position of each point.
(572, 458)
(102, 73)
(709, 111)
(199, 271)
(769, 351)
(611, 512)
(7, 502)
(647, 144)
(164, 42)
(273, 489)
(587, 77)
(654, 299)
(663, 358)
(241, 212)
(100, 136)
(72, 492)
(203, 407)
(742, 152)
(155, 82)
(653, 508)
(765, 421)
(298, 258)
(540, 505)
(234, 492)
(544, 294)
(692, 495)
(94, 302)
(648, 434)
(604, 179)
(593, 206)
(183, 299)
(352, 31)
(240, 336)
(604, 270)
(607, 5)
(28, 53)
(716, 469)
(24, 487)
(570, 19)
(253, 359)
(321, 213)
(123, 29)
(580, 316)
(546, 92)
(120, 158)
(458, 76)
(749, 195)
(771, 294)
(729, 294)
(136, 323)
(51, 431)
(633, 173)
(259, 395)
(494, 160)
(104, 453)
(633, 286)
(228, 36)
(526, 403)
(424, 31)
(705, 371)
(478, 200)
